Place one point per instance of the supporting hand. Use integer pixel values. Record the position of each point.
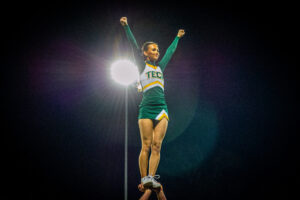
(141, 188)
(147, 192)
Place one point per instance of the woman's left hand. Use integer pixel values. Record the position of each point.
(180, 33)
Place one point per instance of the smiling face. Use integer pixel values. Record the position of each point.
(152, 52)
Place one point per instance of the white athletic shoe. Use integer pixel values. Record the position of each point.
(150, 182)
(147, 181)
(155, 184)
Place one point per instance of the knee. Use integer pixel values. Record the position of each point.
(156, 147)
(146, 146)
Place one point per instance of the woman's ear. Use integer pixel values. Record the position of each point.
(145, 53)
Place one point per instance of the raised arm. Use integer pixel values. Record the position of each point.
(135, 47)
(170, 51)
(128, 32)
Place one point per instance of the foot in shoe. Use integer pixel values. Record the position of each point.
(155, 184)
(147, 181)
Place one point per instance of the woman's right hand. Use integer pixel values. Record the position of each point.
(123, 21)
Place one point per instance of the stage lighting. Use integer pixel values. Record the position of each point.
(124, 72)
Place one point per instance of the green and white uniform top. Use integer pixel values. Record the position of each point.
(152, 82)
(153, 105)
(151, 77)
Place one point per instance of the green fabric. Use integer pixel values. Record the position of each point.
(137, 52)
(168, 55)
(154, 96)
(151, 112)
(130, 37)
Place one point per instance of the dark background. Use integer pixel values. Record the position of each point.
(62, 134)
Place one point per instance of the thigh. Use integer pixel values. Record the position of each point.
(160, 130)
(146, 130)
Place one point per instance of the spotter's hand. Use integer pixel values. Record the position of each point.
(141, 188)
(157, 190)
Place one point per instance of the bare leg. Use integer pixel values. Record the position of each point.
(146, 132)
(158, 136)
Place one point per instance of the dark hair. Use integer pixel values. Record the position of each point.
(146, 44)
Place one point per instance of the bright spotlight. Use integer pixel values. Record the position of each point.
(124, 72)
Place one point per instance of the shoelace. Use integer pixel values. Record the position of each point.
(156, 177)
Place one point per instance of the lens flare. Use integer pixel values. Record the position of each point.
(124, 72)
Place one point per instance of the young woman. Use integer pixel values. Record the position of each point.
(153, 112)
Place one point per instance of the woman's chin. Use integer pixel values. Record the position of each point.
(153, 59)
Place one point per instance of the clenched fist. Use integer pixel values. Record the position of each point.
(180, 33)
(123, 21)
